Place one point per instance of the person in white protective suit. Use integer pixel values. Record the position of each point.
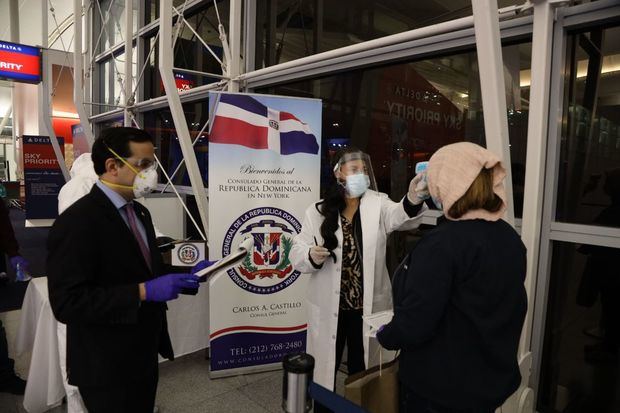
(83, 177)
(342, 245)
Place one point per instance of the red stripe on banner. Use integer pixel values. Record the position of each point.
(286, 116)
(256, 328)
(26, 64)
(238, 132)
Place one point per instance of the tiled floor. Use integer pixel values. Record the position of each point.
(185, 387)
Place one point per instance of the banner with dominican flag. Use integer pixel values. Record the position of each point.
(243, 120)
(264, 171)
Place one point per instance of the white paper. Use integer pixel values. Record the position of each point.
(375, 321)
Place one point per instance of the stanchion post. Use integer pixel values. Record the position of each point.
(298, 371)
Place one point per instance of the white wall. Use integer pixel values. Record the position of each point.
(31, 28)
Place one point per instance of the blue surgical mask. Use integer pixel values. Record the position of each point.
(356, 185)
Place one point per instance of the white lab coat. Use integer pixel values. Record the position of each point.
(379, 216)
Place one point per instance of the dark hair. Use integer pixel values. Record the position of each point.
(332, 205)
(118, 140)
(480, 195)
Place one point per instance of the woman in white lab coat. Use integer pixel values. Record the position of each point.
(342, 246)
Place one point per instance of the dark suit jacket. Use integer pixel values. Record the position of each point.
(94, 266)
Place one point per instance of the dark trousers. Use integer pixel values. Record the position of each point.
(349, 333)
(135, 397)
(6, 364)
(411, 402)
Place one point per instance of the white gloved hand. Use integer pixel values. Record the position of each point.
(418, 189)
(318, 255)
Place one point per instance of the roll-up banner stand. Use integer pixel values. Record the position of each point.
(264, 171)
(43, 180)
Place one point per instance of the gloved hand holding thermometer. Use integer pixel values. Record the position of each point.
(418, 187)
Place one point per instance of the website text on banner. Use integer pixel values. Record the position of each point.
(264, 170)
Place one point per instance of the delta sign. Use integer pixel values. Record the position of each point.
(20, 63)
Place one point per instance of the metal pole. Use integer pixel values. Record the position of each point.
(128, 61)
(542, 39)
(176, 109)
(540, 87)
(14, 24)
(78, 73)
(250, 36)
(491, 68)
(234, 34)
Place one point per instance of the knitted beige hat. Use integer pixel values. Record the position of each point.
(452, 170)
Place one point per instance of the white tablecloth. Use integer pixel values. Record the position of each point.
(188, 319)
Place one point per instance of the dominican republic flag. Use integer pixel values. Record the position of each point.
(242, 120)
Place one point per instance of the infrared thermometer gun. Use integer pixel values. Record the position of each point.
(421, 167)
(231, 259)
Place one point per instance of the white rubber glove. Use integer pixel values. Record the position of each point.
(418, 189)
(318, 255)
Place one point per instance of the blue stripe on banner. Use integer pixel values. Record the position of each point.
(254, 348)
(297, 141)
(245, 102)
(20, 76)
(19, 48)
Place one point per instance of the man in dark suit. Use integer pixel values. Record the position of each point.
(105, 282)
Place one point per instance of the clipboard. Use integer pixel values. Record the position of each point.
(229, 260)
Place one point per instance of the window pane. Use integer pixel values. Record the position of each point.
(580, 357)
(290, 29)
(189, 53)
(589, 179)
(112, 80)
(160, 125)
(111, 21)
(151, 8)
(402, 113)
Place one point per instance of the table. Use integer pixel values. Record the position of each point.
(188, 324)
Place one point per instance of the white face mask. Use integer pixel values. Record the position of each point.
(356, 185)
(145, 182)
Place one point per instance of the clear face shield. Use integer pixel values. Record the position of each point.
(354, 172)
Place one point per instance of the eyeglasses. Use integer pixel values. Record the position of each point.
(143, 163)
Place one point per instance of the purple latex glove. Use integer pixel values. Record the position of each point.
(201, 266)
(169, 286)
(381, 329)
(21, 261)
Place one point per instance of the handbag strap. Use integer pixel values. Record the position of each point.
(381, 359)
